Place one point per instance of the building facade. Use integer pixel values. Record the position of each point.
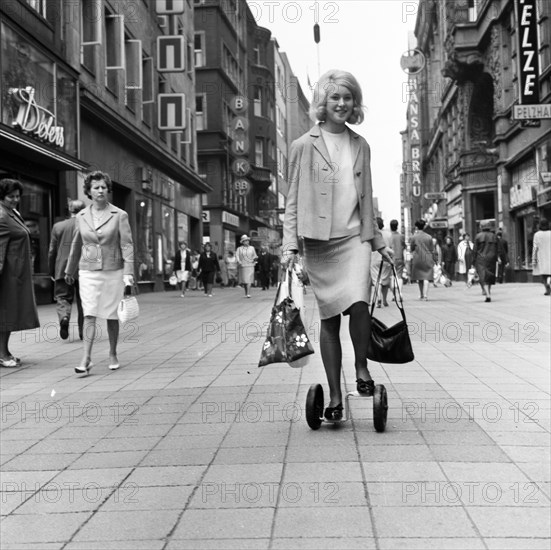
(87, 85)
(477, 159)
(241, 108)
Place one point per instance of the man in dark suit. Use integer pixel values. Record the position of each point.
(60, 246)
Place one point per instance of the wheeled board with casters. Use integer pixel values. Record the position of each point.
(315, 407)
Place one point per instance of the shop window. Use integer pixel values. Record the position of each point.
(169, 249)
(183, 227)
(30, 78)
(143, 240)
(35, 208)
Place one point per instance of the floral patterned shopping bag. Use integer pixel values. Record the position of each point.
(286, 340)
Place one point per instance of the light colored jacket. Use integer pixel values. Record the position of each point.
(108, 247)
(308, 208)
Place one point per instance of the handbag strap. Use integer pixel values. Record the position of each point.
(399, 305)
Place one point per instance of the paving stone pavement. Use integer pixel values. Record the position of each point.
(190, 445)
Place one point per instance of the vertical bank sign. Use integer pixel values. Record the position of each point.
(528, 64)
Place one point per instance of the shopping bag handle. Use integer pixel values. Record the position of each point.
(130, 290)
(399, 305)
(286, 274)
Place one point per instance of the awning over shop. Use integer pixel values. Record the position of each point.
(19, 144)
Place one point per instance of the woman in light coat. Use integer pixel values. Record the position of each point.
(246, 261)
(103, 253)
(330, 207)
(541, 255)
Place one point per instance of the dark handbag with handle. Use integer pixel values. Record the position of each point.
(390, 344)
(286, 340)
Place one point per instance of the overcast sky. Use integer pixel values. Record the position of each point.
(367, 38)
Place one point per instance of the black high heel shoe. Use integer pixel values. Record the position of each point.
(367, 387)
(333, 413)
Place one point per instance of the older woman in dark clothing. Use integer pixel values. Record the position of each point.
(208, 266)
(17, 302)
(485, 258)
(449, 257)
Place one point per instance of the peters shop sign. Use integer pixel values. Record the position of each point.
(35, 120)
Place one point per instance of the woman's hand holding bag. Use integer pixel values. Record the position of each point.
(128, 307)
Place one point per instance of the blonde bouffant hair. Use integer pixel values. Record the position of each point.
(328, 83)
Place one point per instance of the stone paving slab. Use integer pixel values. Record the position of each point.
(191, 445)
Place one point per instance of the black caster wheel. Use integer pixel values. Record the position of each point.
(314, 406)
(380, 408)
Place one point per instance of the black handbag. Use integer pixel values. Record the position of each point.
(390, 344)
(286, 339)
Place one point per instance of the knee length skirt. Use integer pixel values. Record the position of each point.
(339, 272)
(101, 292)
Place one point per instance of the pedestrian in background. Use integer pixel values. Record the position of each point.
(182, 266)
(541, 255)
(222, 277)
(264, 267)
(377, 264)
(274, 272)
(398, 246)
(246, 261)
(465, 257)
(231, 268)
(485, 258)
(502, 256)
(422, 262)
(17, 302)
(449, 257)
(194, 278)
(334, 217)
(58, 254)
(208, 268)
(103, 253)
(437, 260)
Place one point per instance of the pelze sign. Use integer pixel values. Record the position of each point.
(527, 25)
(33, 119)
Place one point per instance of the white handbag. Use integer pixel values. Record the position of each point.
(128, 307)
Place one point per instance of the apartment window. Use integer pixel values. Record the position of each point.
(91, 31)
(162, 87)
(148, 98)
(258, 101)
(200, 111)
(473, 9)
(543, 11)
(259, 152)
(114, 49)
(256, 56)
(39, 6)
(199, 49)
(133, 72)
